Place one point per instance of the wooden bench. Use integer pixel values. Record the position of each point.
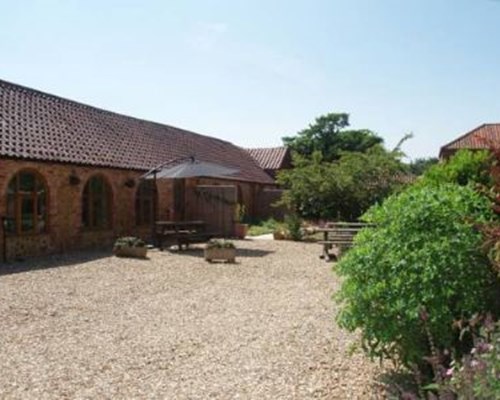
(339, 235)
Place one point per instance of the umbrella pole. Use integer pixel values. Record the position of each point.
(155, 207)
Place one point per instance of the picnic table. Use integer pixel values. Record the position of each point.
(340, 235)
(182, 233)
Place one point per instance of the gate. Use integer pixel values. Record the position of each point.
(216, 205)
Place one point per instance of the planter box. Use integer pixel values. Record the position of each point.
(134, 252)
(220, 254)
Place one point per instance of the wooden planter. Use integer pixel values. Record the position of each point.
(220, 254)
(134, 252)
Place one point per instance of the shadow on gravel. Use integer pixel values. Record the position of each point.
(198, 252)
(52, 261)
(396, 385)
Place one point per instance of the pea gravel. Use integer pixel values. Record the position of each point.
(87, 326)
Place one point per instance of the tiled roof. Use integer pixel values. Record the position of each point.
(272, 158)
(40, 126)
(481, 137)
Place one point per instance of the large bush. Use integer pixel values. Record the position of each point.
(465, 167)
(422, 262)
(344, 189)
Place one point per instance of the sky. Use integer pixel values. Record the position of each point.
(251, 72)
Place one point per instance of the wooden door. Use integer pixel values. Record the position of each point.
(179, 194)
(216, 205)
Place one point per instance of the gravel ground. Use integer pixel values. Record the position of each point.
(91, 326)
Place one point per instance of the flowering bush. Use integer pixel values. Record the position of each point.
(477, 376)
(421, 261)
(220, 244)
(129, 241)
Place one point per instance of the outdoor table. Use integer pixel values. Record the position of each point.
(180, 225)
(339, 234)
(183, 232)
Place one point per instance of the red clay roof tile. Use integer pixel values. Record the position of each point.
(482, 137)
(40, 126)
(272, 158)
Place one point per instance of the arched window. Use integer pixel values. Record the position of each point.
(144, 202)
(27, 203)
(96, 204)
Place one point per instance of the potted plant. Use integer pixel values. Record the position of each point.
(240, 229)
(130, 246)
(222, 250)
(280, 233)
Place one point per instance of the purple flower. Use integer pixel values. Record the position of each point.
(483, 347)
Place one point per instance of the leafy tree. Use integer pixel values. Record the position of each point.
(416, 272)
(420, 165)
(343, 189)
(328, 136)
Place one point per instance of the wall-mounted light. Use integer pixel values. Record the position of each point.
(74, 179)
(130, 183)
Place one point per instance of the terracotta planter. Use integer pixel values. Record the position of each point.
(134, 252)
(220, 254)
(240, 230)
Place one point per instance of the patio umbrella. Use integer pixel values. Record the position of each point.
(186, 168)
(190, 168)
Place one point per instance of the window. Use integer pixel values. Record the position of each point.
(96, 204)
(144, 202)
(26, 204)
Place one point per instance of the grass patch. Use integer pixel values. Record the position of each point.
(263, 227)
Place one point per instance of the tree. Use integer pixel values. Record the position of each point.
(343, 189)
(328, 136)
(420, 165)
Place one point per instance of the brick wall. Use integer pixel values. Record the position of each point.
(65, 231)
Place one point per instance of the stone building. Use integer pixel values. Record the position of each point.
(69, 173)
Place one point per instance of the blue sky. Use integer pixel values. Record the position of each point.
(252, 72)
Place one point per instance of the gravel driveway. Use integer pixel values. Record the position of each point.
(175, 327)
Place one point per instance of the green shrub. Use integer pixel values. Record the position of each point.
(344, 189)
(240, 213)
(463, 168)
(263, 227)
(293, 226)
(129, 241)
(423, 257)
(220, 244)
